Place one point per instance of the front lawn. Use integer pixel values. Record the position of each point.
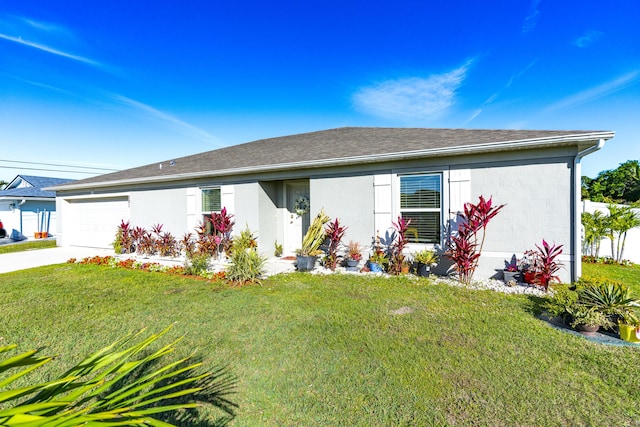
(629, 275)
(341, 350)
(27, 246)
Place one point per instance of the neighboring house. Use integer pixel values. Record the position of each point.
(366, 177)
(25, 207)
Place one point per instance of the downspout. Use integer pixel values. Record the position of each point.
(577, 211)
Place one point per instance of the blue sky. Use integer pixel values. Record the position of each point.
(119, 84)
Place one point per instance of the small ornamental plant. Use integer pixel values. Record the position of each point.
(334, 233)
(465, 246)
(397, 258)
(354, 251)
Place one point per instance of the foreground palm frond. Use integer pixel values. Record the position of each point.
(121, 384)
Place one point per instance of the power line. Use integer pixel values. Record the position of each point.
(58, 165)
(48, 170)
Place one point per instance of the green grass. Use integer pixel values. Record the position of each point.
(630, 276)
(27, 246)
(329, 350)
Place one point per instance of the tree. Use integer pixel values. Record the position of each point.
(621, 220)
(621, 185)
(595, 229)
(3, 183)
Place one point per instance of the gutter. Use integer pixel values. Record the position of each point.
(377, 158)
(577, 200)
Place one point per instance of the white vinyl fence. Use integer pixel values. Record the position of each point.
(632, 245)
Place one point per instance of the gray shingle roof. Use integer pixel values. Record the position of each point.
(346, 145)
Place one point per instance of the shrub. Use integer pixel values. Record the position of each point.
(196, 264)
(246, 265)
(564, 297)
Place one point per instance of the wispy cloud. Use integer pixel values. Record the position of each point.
(50, 50)
(413, 97)
(587, 39)
(28, 32)
(597, 92)
(42, 85)
(498, 93)
(531, 19)
(178, 125)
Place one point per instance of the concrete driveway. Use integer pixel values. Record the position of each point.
(15, 261)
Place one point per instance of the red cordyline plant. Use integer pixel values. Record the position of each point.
(547, 264)
(124, 238)
(334, 232)
(222, 225)
(464, 249)
(395, 249)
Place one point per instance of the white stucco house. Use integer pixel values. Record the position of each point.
(366, 177)
(26, 207)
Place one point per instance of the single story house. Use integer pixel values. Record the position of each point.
(26, 207)
(366, 177)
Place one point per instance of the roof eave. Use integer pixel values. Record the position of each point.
(377, 158)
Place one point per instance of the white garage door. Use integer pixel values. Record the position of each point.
(93, 222)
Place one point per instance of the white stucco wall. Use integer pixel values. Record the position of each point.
(167, 207)
(538, 206)
(349, 198)
(246, 209)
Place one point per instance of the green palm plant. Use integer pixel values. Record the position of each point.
(628, 220)
(121, 384)
(611, 299)
(595, 229)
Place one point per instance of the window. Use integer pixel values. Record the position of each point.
(210, 203)
(420, 201)
(211, 200)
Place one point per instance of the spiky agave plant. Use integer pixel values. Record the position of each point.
(122, 384)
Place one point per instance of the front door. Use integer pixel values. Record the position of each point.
(297, 218)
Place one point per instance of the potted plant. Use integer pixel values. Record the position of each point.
(313, 238)
(511, 271)
(528, 265)
(425, 259)
(588, 320)
(378, 261)
(354, 254)
(629, 326)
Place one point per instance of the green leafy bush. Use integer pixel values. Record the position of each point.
(246, 265)
(196, 263)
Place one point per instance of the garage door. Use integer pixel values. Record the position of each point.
(93, 222)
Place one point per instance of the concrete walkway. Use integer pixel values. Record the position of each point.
(15, 261)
